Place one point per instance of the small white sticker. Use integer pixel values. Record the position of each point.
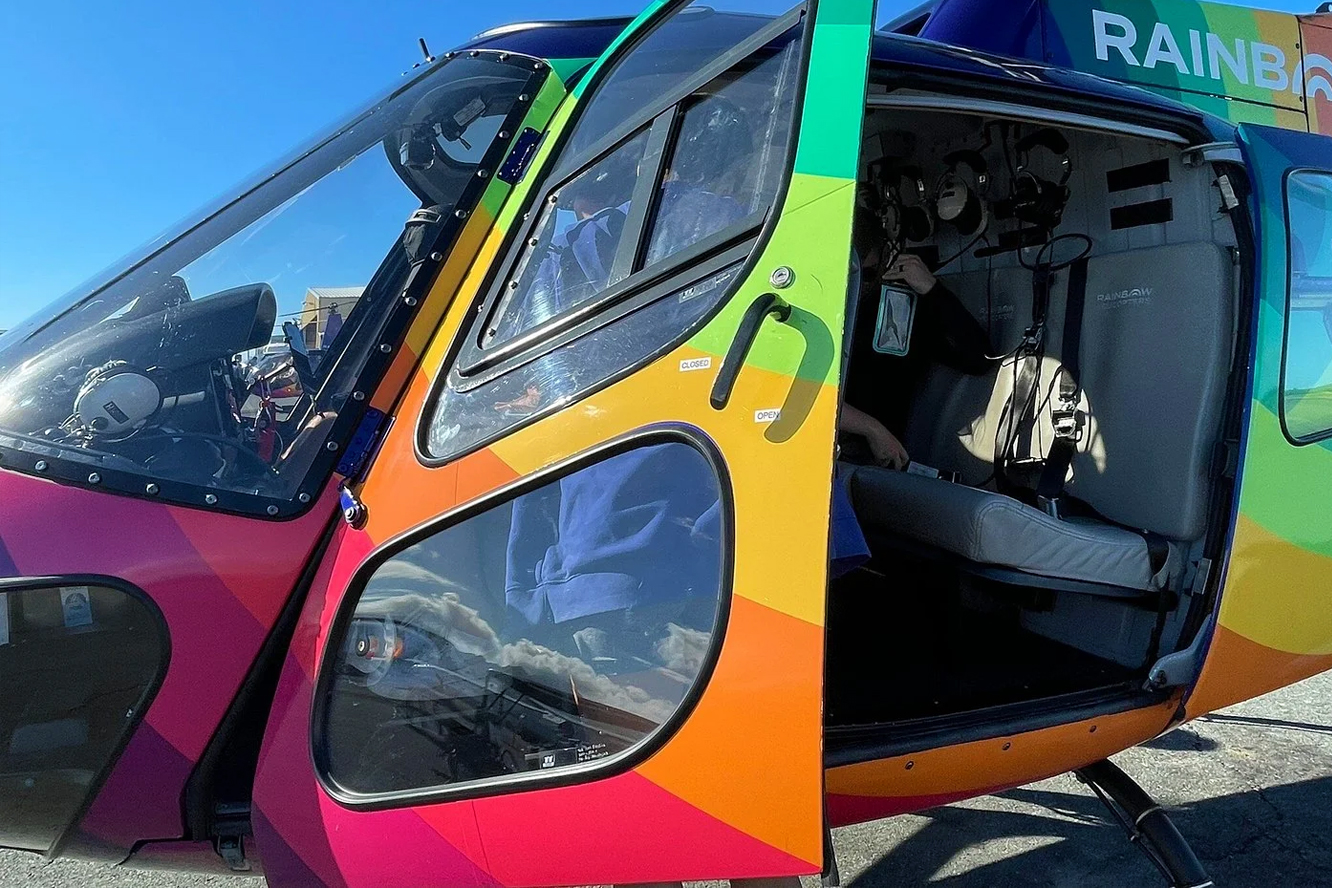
(4, 618)
(690, 364)
(767, 416)
(77, 605)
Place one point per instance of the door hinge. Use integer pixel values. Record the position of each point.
(524, 149)
(1227, 459)
(1213, 152)
(354, 511)
(362, 442)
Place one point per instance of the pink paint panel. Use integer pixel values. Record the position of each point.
(392, 849)
(220, 582)
(616, 830)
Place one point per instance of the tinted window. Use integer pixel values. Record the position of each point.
(466, 418)
(562, 627)
(663, 60)
(1307, 401)
(728, 157)
(577, 240)
(77, 662)
(163, 374)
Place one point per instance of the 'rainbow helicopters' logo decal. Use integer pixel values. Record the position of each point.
(1209, 56)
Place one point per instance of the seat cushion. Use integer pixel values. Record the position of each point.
(989, 528)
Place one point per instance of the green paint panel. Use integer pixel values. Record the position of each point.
(1287, 489)
(835, 90)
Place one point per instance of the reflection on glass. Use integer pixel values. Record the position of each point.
(462, 420)
(562, 627)
(1308, 371)
(729, 154)
(576, 244)
(222, 357)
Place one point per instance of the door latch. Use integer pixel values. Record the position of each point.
(354, 511)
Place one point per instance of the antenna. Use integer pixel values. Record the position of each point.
(425, 51)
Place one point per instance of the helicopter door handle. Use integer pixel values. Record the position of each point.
(759, 309)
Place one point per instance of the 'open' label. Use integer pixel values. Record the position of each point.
(770, 415)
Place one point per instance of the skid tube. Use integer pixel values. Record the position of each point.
(1148, 825)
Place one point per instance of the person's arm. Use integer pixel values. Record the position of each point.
(883, 444)
(957, 337)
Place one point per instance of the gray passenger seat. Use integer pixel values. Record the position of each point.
(1155, 355)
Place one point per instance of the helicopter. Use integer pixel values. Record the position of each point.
(585, 516)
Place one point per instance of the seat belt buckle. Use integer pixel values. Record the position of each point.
(1031, 339)
(1050, 506)
(1068, 425)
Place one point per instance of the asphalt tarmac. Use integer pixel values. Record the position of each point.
(1251, 788)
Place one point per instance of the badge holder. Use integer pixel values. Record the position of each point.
(897, 317)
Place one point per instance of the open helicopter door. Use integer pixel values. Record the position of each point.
(1275, 622)
(572, 631)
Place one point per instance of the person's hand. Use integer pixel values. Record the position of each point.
(887, 450)
(910, 269)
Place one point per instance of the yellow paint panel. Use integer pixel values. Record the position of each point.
(1278, 594)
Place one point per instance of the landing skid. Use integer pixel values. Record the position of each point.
(1148, 825)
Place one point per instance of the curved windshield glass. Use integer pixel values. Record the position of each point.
(223, 358)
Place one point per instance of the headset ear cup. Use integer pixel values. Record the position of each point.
(960, 206)
(917, 224)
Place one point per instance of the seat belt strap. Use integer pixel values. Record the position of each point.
(1068, 418)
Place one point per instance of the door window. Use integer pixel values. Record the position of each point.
(560, 628)
(1307, 387)
(668, 213)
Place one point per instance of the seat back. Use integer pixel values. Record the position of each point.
(955, 417)
(1157, 337)
(1156, 342)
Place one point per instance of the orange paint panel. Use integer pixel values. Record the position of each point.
(480, 473)
(986, 766)
(1316, 33)
(725, 759)
(1240, 669)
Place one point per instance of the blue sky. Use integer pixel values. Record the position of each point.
(120, 119)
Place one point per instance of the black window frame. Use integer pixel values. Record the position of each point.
(479, 362)
(1325, 433)
(504, 784)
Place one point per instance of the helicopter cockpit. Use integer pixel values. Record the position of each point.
(214, 367)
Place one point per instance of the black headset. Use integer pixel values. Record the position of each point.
(1035, 200)
(906, 210)
(958, 203)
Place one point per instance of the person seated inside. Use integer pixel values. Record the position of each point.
(878, 387)
(944, 331)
